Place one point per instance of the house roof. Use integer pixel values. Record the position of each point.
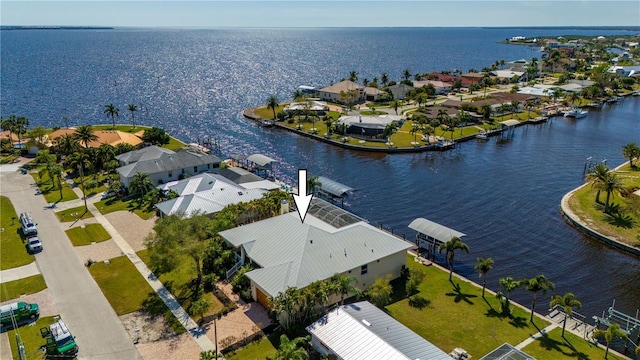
(239, 175)
(111, 137)
(436, 84)
(344, 85)
(507, 74)
(206, 194)
(310, 105)
(370, 122)
(152, 152)
(171, 162)
(362, 331)
(5, 135)
(309, 251)
(508, 97)
(434, 230)
(373, 91)
(510, 122)
(507, 352)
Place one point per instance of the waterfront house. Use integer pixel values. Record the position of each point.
(111, 137)
(289, 253)
(374, 94)
(449, 79)
(344, 92)
(362, 331)
(507, 76)
(152, 152)
(247, 179)
(170, 167)
(475, 78)
(371, 126)
(400, 90)
(205, 194)
(440, 86)
(314, 106)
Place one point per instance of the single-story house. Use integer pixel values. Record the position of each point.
(361, 331)
(374, 94)
(292, 253)
(338, 92)
(247, 179)
(9, 135)
(519, 65)
(368, 125)
(440, 86)
(205, 194)
(318, 107)
(509, 75)
(400, 90)
(170, 167)
(475, 78)
(111, 137)
(507, 97)
(152, 152)
(451, 79)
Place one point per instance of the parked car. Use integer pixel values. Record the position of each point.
(28, 225)
(18, 312)
(33, 244)
(107, 194)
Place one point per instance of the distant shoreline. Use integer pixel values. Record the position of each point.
(53, 27)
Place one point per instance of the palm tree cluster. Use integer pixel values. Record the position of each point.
(603, 179)
(15, 125)
(112, 112)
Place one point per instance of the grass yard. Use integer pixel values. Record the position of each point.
(178, 282)
(113, 204)
(257, 350)
(584, 206)
(13, 252)
(30, 335)
(127, 291)
(80, 236)
(74, 214)
(552, 346)
(29, 285)
(459, 316)
(49, 189)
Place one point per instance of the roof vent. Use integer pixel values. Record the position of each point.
(311, 241)
(239, 192)
(366, 322)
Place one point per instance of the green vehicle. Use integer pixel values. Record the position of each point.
(18, 313)
(60, 343)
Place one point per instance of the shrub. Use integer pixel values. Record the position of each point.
(419, 302)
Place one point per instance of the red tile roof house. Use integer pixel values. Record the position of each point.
(450, 79)
(473, 77)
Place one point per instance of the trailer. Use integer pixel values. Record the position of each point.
(61, 343)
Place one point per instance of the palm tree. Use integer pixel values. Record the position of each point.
(574, 98)
(113, 111)
(9, 124)
(612, 332)
(296, 94)
(442, 114)
(20, 127)
(567, 302)
(483, 266)
(556, 94)
(597, 177)
(613, 184)
(55, 172)
(450, 248)
(515, 105)
(313, 184)
(342, 285)
(133, 108)
(272, 103)
(67, 144)
(353, 76)
(528, 105)
(421, 98)
(395, 104)
(384, 79)
(80, 160)
(535, 284)
(140, 183)
(486, 111)
(105, 154)
(631, 151)
(406, 74)
(508, 284)
(85, 134)
(292, 349)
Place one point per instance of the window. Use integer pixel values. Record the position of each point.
(208, 166)
(195, 169)
(170, 174)
(183, 171)
(364, 269)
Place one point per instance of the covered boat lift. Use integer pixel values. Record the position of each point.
(333, 190)
(259, 164)
(431, 235)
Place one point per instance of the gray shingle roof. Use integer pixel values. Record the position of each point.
(171, 162)
(239, 175)
(148, 153)
(362, 331)
(292, 253)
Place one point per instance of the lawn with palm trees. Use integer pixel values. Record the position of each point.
(554, 346)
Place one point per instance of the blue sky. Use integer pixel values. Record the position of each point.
(303, 13)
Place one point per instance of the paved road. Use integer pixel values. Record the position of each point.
(99, 333)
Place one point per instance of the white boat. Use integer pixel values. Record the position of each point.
(267, 123)
(577, 113)
(482, 136)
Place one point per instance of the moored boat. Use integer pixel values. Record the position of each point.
(577, 113)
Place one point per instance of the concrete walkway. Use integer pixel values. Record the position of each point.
(536, 336)
(19, 272)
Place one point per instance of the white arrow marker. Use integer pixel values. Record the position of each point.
(302, 200)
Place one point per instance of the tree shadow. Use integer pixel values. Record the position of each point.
(564, 347)
(518, 321)
(617, 219)
(459, 295)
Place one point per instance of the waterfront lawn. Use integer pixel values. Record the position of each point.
(25, 286)
(127, 291)
(554, 346)
(266, 113)
(87, 234)
(30, 335)
(131, 205)
(626, 230)
(257, 350)
(50, 189)
(13, 252)
(178, 282)
(74, 214)
(458, 316)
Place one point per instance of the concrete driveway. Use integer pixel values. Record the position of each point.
(99, 333)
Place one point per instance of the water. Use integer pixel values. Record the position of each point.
(505, 197)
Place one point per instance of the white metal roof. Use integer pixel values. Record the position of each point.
(261, 160)
(333, 187)
(371, 122)
(434, 230)
(510, 122)
(362, 331)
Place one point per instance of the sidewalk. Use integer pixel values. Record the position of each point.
(19, 272)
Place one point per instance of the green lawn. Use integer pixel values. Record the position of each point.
(460, 317)
(50, 189)
(31, 337)
(178, 283)
(584, 206)
(127, 291)
(257, 350)
(13, 252)
(29, 285)
(553, 346)
(73, 214)
(80, 236)
(113, 204)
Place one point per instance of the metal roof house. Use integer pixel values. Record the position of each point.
(290, 253)
(369, 125)
(170, 167)
(362, 331)
(205, 194)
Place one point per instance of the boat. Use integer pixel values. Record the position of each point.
(577, 113)
(482, 135)
(267, 123)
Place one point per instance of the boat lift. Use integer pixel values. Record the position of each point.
(630, 325)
